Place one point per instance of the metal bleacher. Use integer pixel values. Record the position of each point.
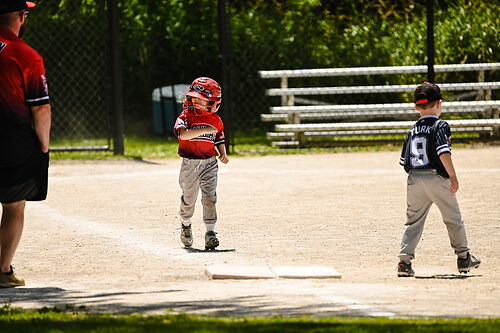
(296, 125)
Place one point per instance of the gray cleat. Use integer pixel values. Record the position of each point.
(186, 235)
(465, 264)
(211, 241)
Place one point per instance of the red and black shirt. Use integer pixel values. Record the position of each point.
(22, 86)
(22, 79)
(203, 146)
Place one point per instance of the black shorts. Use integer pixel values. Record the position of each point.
(34, 189)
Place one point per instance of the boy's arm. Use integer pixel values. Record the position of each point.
(450, 169)
(187, 134)
(222, 153)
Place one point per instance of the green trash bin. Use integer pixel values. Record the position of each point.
(167, 106)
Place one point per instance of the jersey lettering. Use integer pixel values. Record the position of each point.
(2, 46)
(210, 137)
(426, 140)
(418, 152)
(421, 130)
(44, 82)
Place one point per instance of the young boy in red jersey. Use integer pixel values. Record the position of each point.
(200, 131)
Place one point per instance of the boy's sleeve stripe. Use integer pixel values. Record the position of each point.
(443, 150)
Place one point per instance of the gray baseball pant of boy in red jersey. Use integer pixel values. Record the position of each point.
(424, 188)
(196, 175)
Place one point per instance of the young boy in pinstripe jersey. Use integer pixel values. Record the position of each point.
(426, 157)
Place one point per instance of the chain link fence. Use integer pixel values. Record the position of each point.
(169, 42)
(73, 41)
(383, 34)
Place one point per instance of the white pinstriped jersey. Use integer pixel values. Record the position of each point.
(427, 139)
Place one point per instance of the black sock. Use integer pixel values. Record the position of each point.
(9, 273)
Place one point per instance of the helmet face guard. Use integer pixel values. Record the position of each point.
(196, 108)
(206, 89)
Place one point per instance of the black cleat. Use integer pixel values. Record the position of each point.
(465, 264)
(211, 241)
(405, 269)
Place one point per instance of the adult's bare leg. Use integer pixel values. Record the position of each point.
(11, 229)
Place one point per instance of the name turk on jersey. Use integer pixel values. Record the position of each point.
(420, 130)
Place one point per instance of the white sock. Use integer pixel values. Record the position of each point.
(187, 222)
(210, 226)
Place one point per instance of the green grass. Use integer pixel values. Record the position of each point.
(136, 147)
(245, 144)
(157, 147)
(72, 320)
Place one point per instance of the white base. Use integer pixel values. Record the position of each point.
(306, 272)
(262, 272)
(239, 272)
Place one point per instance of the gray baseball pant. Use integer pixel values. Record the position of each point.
(196, 175)
(424, 188)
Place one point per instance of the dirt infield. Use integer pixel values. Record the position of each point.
(108, 238)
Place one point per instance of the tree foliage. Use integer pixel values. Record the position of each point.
(173, 41)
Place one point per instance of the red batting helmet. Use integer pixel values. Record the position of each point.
(207, 89)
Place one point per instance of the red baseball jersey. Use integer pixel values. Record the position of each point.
(201, 147)
(23, 82)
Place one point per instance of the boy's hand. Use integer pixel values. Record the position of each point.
(448, 165)
(454, 184)
(223, 158)
(222, 153)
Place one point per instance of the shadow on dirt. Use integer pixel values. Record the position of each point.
(163, 302)
(71, 300)
(448, 276)
(195, 250)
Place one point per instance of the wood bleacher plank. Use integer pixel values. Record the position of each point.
(378, 125)
(377, 89)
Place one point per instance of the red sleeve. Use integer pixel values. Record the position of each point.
(36, 91)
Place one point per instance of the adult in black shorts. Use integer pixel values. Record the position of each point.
(25, 118)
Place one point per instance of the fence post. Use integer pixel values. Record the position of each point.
(430, 41)
(293, 117)
(480, 78)
(289, 100)
(286, 100)
(490, 112)
(284, 85)
(495, 113)
(117, 82)
(225, 47)
(486, 95)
